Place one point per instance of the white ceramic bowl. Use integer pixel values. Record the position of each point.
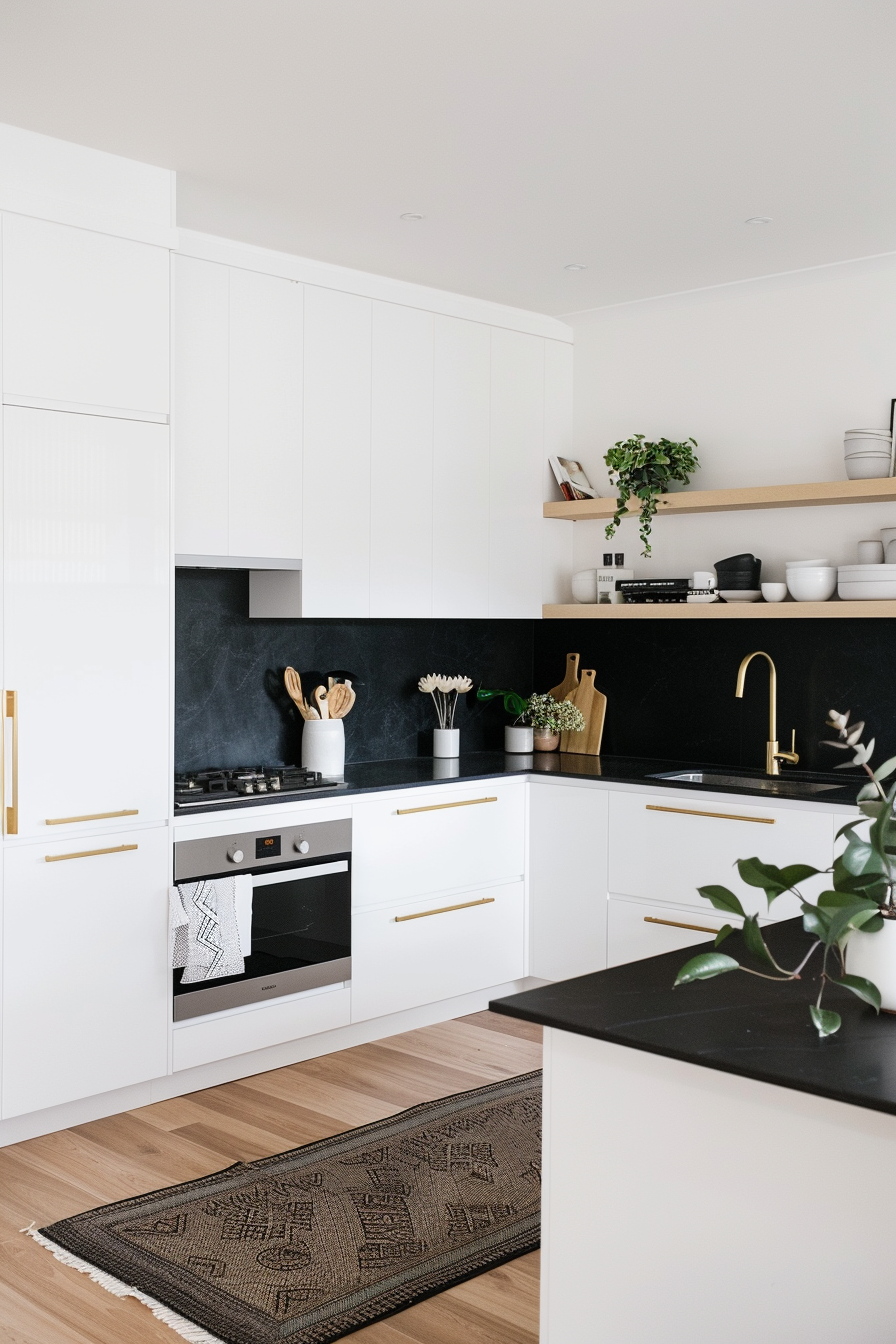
(774, 592)
(584, 585)
(740, 594)
(867, 466)
(807, 564)
(812, 585)
(867, 583)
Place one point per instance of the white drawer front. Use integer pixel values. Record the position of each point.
(401, 961)
(663, 848)
(257, 1028)
(436, 839)
(636, 929)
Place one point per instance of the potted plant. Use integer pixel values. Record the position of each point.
(518, 735)
(549, 718)
(445, 692)
(859, 903)
(645, 470)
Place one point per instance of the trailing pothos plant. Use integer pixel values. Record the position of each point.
(645, 471)
(860, 895)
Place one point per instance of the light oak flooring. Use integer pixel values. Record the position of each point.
(43, 1302)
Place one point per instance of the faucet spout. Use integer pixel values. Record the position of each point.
(772, 753)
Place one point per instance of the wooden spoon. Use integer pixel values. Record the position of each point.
(293, 683)
(339, 701)
(320, 695)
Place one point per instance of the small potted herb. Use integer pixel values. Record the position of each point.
(517, 735)
(643, 471)
(550, 718)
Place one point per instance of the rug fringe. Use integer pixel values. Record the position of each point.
(186, 1329)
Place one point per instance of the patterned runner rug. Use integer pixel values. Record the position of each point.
(309, 1245)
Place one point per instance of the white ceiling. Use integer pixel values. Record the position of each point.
(635, 136)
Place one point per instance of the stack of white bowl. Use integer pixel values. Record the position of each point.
(868, 453)
(811, 580)
(870, 580)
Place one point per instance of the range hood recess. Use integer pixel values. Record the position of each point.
(275, 586)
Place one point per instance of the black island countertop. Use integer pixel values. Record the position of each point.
(736, 1023)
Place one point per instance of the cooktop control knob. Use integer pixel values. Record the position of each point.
(235, 854)
(302, 845)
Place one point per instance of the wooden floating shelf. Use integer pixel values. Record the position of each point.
(715, 611)
(876, 491)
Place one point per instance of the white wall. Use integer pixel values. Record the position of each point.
(766, 375)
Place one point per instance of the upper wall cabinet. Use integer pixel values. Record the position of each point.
(85, 319)
(237, 413)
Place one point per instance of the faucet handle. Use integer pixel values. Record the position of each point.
(792, 755)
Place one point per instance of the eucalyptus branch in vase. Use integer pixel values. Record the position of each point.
(445, 692)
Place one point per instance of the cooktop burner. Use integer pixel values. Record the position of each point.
(246, 784)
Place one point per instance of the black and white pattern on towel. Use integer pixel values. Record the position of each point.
(206, 940)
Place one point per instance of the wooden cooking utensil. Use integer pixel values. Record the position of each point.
(570, 681)
(593, 704)
(320, 696)
(347, 703)
(293, 683)
(339, 701)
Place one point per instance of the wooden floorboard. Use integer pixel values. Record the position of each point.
(42, 1302)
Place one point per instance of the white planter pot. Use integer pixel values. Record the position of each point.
(446, 742)
(445, 767)
(518, 739)
(873, 955)
(323, 747)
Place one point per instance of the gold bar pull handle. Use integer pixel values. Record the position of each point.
(675, 924)
(87, 853)
(92, 816)
(11, 809)
(445, 909)
(722, 816)
(441, 807)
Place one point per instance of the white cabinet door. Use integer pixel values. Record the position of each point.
(401, 485)
(336, 531)
(86, 614)
(567, 880)
(407, 955)
(265, 416)
(636, 929)
(86, 985)
(516, 474)
(201, 407)
(85, 317)
(460, 501)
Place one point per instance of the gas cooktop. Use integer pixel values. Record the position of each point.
(242, 786)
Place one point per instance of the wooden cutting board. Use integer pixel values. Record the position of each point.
(593, 704)
(570, 681)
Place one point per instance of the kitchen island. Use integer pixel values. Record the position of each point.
(713, 1171)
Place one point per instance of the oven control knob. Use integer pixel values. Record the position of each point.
(235, 854)
(302, 846)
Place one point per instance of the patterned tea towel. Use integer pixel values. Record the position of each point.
(205, 935)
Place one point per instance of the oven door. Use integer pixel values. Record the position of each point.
(300, 939)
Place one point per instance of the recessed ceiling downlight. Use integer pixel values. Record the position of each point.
(411, 216)
(575, 266)
(758, 219)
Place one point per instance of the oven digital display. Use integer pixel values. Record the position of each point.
(267, 846)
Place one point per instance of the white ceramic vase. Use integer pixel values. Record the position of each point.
(518, 739)
(873, 955)
(446, 742)
(323, 747)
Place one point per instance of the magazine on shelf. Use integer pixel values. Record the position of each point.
(571, 478)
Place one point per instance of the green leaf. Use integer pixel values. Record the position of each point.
(724, 932)
(872, 809)
(835, 900)
(850, 917)
(874, 925)
(705, 966)
(771, 879)
(863, 989)
(824, 1021)
(816, 921)
(886, 769)
(867, 792)
(723, 899)
(754, 941)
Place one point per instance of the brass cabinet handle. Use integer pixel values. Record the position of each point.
(725, 816)
(444, 909)
(92, 816)
(11, 813)
(87, 853)
(674, 924)
(440, 807)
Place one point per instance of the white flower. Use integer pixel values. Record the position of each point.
(429, 683)
(838, 720)
(461, 685)
(855, 733)
(863, 754)
(444, 684)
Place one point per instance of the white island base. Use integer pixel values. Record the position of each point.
(683, 1205)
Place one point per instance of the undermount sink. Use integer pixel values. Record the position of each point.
(768, 784)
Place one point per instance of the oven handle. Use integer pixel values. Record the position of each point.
(296, 874)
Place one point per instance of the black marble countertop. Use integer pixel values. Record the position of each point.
(736, 1023)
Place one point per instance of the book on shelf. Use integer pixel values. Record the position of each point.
(571, 478)
(653, 585)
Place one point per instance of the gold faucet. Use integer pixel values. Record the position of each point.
(772, 754)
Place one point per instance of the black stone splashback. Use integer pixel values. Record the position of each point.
(231, 708)
(670, 684)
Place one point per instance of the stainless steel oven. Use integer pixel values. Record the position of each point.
(293, 908)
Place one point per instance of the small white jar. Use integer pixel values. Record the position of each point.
(584, 586)
(518, 738)
(873, 956)
(323, 747)
(446, 742)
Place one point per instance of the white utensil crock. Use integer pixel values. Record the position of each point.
(446, 742)
(323, 747)
(873, 955)
(518, 739)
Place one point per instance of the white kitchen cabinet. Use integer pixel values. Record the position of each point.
(237, 412)
(336, 563)
(460, 499)
(259, 1027)
(86, 984)
(567, 880)
(662, 847)
(637, 929)
(86, 616)
(435, 839)
(85, 318)
(420, 951)
(401, 462)
(516, 473)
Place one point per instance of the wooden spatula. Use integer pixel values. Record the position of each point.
(293, 683)
(320, 696)
(340, 700)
